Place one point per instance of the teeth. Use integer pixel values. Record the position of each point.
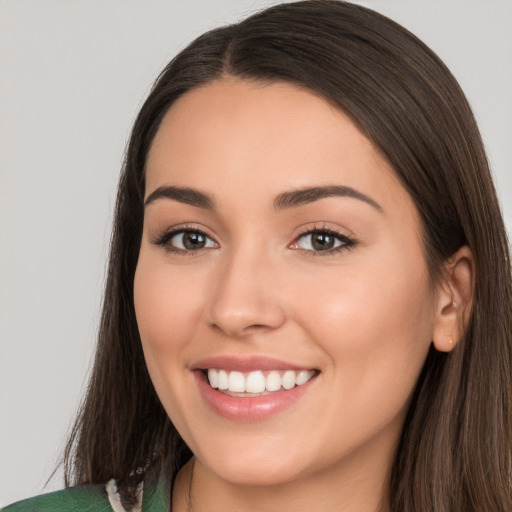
(256, 381)
(273, 381)
(223, 382)
(302, 377)
(288, 379)
(236, 382)
(213, 378)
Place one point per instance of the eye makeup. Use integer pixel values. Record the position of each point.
(312, 241)
(323, 241)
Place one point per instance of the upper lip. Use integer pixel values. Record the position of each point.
(247, 364)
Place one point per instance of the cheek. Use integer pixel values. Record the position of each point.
(168, 308)
(166, 305)
(376, 328)
(362, 305)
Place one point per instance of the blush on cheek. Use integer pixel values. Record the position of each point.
(166, 315)
(365, 322)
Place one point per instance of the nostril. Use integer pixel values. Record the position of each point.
(239, 330)
(257, 327)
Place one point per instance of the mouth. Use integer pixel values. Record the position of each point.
(257, 382)
(252, 388)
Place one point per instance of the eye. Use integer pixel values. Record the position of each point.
(191, 241)
(185, 240)
(323, 240)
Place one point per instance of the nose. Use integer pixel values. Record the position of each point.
(245, 298)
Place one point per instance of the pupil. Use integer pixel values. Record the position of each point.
(193, 241)
(322, 242)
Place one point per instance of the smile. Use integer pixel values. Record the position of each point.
(252, 388)
(257, 382)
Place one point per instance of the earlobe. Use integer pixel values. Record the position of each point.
(454, 300)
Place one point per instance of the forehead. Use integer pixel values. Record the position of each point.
(258, 138)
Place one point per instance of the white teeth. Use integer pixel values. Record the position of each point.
(303, 377)
(236, 382)
(223, 382)
(273, 381)
(256, 382)
(213, 378)
(288, 379)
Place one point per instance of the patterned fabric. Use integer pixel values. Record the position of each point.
(154, 497)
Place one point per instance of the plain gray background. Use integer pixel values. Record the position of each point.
(72, 76)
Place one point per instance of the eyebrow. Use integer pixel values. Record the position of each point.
(183, 195)
(308, 195)
(283, 201)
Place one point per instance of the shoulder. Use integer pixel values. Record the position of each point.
(96, 498)
(73, 499)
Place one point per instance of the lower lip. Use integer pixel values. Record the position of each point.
(249, 408)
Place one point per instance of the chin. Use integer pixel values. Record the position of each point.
(249, 474)
(259, 465)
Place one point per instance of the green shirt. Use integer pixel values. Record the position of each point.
(155, 497)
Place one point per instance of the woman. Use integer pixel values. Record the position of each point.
(309, 293)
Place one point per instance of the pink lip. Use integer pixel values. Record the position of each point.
(249, 408)
(246, 364)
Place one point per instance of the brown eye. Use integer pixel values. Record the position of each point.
(192, 240)
(187, 240)
(323, 241)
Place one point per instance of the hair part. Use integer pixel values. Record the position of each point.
(454, 454)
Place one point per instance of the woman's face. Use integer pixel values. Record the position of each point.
(279, 249)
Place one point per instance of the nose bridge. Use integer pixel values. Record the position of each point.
(245, 297)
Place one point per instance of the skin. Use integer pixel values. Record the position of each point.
(364, 316)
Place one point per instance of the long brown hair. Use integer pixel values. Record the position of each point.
(455, 450)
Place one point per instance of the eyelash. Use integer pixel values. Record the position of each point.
(347, 242)
(165, 238)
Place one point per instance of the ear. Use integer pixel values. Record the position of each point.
(454, 300)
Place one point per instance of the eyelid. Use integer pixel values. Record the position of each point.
(165, 236)
(348, 239)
